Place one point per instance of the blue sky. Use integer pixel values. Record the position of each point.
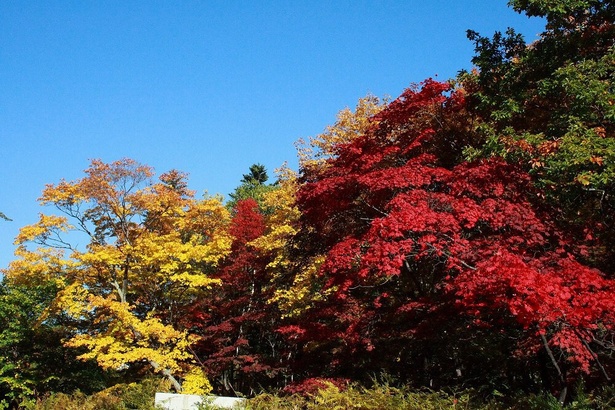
(206, 87)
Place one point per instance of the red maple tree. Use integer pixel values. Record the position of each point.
(436, 266)
(236, 324)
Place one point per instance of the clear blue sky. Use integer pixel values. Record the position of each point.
(207, 87)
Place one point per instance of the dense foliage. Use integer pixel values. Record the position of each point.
(459, 237)
(436, 267)
(550, 107)
(149, 251)
(33, 359)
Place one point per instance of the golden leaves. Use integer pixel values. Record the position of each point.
(348, 126)
(194, 280)
(120, 337)
(301, 295)
(196, 382)
(72, 301)
(64, 192)
(150, 248)
(40, 266)
(281, 221)
(46, 227)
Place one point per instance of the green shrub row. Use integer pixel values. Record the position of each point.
(381, 396)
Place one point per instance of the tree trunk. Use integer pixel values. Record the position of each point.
(167, 373)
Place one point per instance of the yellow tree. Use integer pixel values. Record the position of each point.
(281, 226)
(314, 153)
(297, 295)
(149, 247)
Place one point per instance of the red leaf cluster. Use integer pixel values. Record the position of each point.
(411, 239)
(235, 323)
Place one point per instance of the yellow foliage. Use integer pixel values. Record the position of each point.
(303, 292)
(121, 338)
(348, 126)
(71, 300)
(64, 192)
(40, 266)
(282, 221)
(44, 229)
(194, 280)
(196, 382)
(206, 218)
(101, 255)
(281, 227)
(150, 246)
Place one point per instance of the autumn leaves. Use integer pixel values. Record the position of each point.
(387, 248)
(459, 235)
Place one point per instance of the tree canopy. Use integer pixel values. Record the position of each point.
(460, 236)
(150, 247)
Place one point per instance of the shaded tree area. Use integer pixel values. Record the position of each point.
(33, 359)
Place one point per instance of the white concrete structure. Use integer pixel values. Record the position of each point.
(171, 401)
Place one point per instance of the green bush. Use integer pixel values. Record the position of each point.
(132, 396)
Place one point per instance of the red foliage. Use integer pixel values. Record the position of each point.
(414, 241)
(235, 322)
(247, 224)
(555, 296)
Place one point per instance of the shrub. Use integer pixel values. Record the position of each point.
(131, 396)
(378, 397)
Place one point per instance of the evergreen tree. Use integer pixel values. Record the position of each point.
(252, 187)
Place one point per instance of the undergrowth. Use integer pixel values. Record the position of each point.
(331, 396)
